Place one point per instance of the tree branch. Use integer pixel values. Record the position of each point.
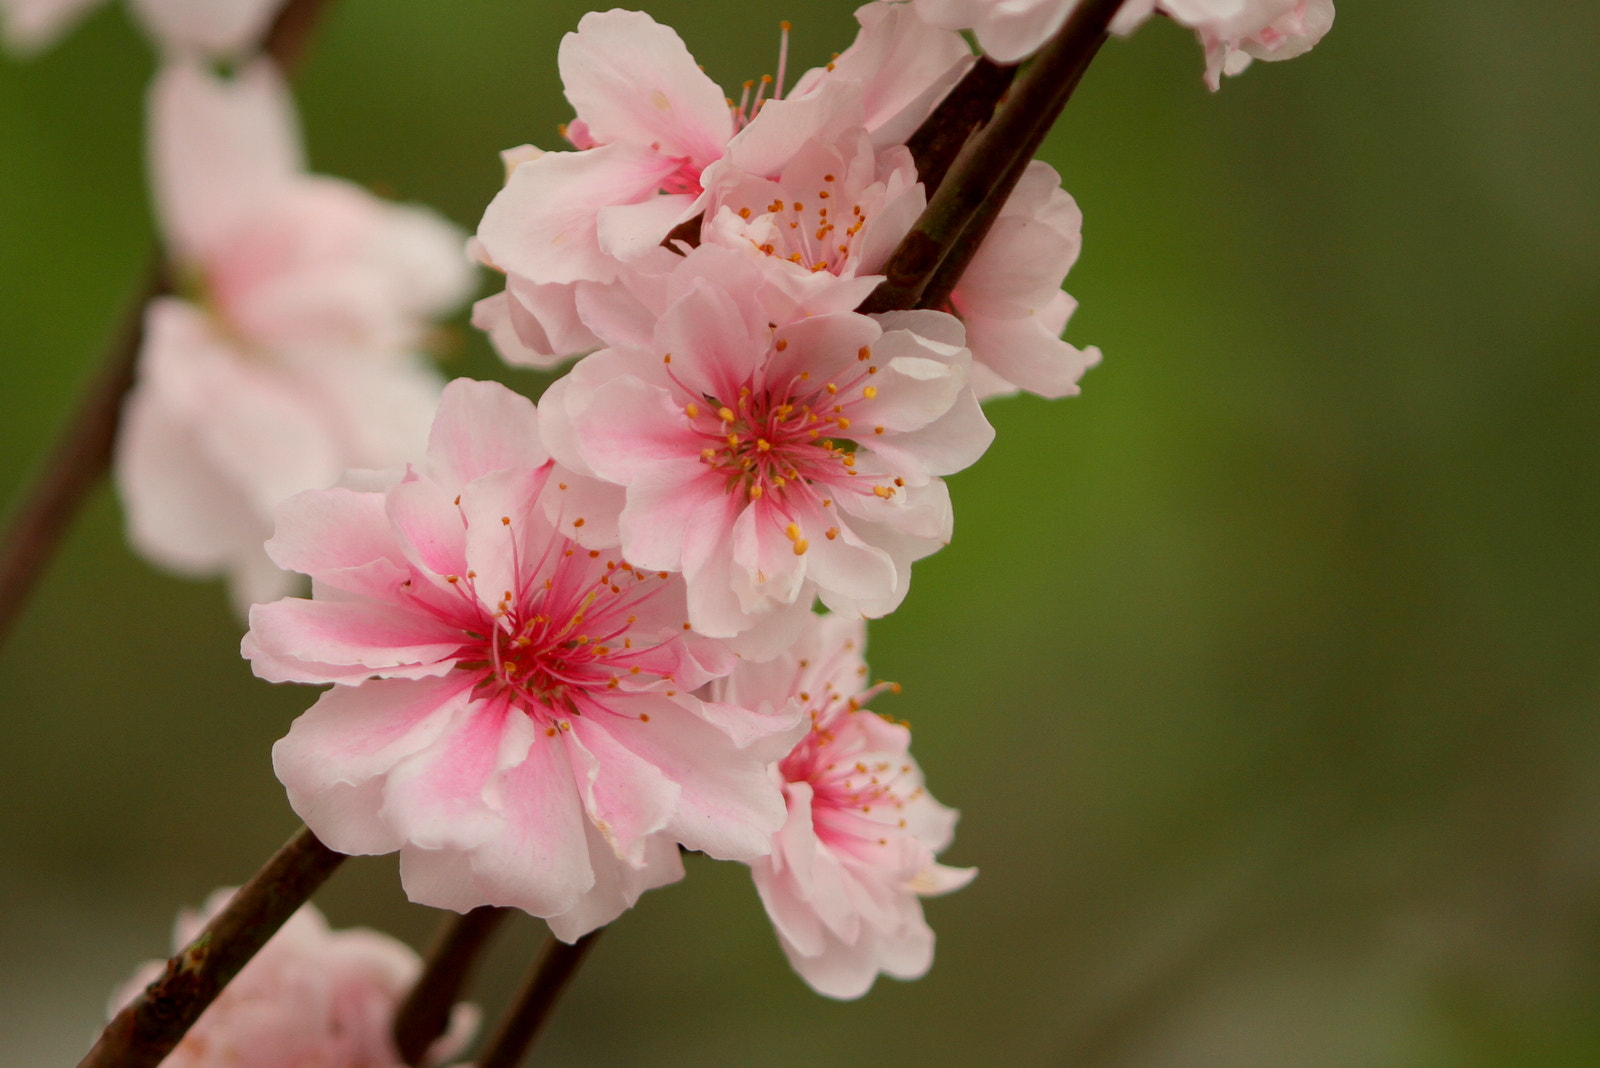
(988, 166)
(150, 1026)
(522, 1024)
(425, 1013)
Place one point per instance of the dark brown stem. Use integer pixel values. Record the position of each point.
(968, 106)
(992, 156)
(549, 977)
(148, 1028)
(425, 1013)
(82, 453)
(75, 464)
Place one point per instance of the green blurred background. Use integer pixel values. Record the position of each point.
(1265, 673)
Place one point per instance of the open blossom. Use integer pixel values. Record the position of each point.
(294, 360)
(514, 712)
(650, 126)
(772, 461)
(837, 211)
(311, 998)
(844, 881)
(221, 28)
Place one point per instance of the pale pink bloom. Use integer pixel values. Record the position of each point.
(295, 359)
(771, 460)
(311, 998)
(514, 712)
(1007, 30)
(1233, 32)
(650, 126)
(1010, 297)
(844, 882)
(838, 210)
(219, 28)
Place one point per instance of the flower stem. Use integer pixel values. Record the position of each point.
(425, 1013)
(555, 966)
(82, 453)
(983, 174)
(967, 107)
(150, 1026)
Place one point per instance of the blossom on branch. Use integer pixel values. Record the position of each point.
(846, 874)
(771, 460)
(514, 712)
(291, 355)
(311, 998)
(651, 129)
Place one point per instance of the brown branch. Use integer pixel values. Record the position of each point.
(522, 1024)
(981, 171)
(967, 107)
(82, 453)
(425, 1013)
(147, 1029)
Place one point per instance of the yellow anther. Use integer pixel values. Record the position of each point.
(667, 358)
(883, 491)
(833, 532)
(844, 424)
(578, 522)
(755, 491)
(725, 414)
(800, 546)
(869, 392)
(744, 213)
(692, 411)
(792, 532)
(733, 441)
(875, 430)
(864, 352)
(763, 444)
(781, 344)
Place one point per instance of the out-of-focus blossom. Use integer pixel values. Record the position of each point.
(311, 998)
(293, 357)
(218, 28)
(650, 126)
(770, 460)
(514, 712)
(844, 881)
(1233, 32)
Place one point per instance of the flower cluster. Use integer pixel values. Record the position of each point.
(574, 639)
(312, 998)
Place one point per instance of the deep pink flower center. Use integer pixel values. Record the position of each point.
(565, 643)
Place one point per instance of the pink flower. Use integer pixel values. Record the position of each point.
(824, 228)
(294, 360)
(312, 998)
(650, 129)
(770, 460)
(1233, 32)
(1010, 297)
(514, 712)
(220, 28)
(1007, 30)
(844, 881)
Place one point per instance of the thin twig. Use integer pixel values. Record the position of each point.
(1037, 96)
(538, 996)
(425, 1013)
(82, 453)
(151, 1025)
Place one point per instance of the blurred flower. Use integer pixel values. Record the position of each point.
(530, 737)
(311, 998)
(294, 358)
(846, 874)
(1233, 32)
(218, 28)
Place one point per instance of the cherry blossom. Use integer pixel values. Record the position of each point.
(650, 127)
(220, 28)
(1233, 32)
(294, 358)
(844, 880)
(770, 460)
(311, 998)
(514, 712)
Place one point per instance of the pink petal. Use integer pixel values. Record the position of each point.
(482, 427)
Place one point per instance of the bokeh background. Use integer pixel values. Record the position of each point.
(1266, 673)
